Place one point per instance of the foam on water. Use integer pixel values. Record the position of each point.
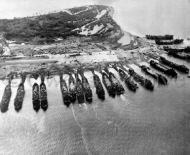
(66, 78)
(3, 84)
(122, 97)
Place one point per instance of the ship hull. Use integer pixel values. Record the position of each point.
(99, 88)
(36, 97)
(65, 93)
(4, 105)
(18, 102)
(43, 97)
(72, 89)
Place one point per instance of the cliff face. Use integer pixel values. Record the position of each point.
(95, 21)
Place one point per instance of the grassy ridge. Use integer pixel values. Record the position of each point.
(45, 28)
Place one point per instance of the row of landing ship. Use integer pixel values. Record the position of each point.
(78, 89)
(39, 96)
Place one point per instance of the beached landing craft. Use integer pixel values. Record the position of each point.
(164, 37)
(43, 96)
(119, 88)
(87, 89)
(72, 88)
(130, 84)
(141, 80)
(108, 84)
(4, 105)
(19, 97)
(98, 85)
(178, 55)
(169, 42)
(168, 71)
(79, 89)
(65, 92)
(181, 68)
(18, 102)
(177, 50)
(160, 78)
(36, 97)
(169, 49)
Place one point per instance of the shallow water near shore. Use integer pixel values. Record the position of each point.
(136, 123)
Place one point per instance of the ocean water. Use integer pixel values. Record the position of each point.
(147, 123)
(153, 16)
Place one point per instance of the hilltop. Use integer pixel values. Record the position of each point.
(94, 20)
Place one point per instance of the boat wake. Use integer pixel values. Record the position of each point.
(82, 131)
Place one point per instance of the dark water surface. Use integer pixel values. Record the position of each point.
(141, 123)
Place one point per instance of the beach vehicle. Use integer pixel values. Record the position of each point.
(168, 71)
(36, 97)
(18, 102)
(181, 68)
(160, 78)
(72, 88)
(65, 92)
(141, 80)
(43, 97)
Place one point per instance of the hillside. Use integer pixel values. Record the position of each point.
(93, 21)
